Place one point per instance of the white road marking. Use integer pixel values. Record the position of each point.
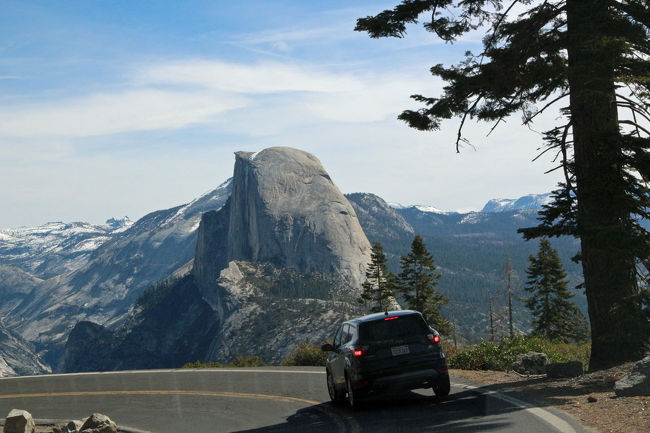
(553, 420)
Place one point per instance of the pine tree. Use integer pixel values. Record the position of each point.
(378, 291)
(509, 274)
(554, 315)
(591, 56)
(417, 281)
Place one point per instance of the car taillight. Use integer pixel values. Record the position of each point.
(358, 352)
(392, 318)
(434, 338)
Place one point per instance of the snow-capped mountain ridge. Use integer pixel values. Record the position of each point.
(33, 249)
(527, 202)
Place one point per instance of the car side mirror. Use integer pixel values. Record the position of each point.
(327, 347)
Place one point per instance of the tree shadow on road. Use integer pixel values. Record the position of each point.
(463, 412)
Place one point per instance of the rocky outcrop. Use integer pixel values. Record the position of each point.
(269, 310)
(637, 382)
(531, 363)
(98, 423)
(285, 210)
(88, 347)
(19, 421)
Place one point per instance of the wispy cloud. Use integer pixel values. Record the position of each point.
(260, 78)
(180, 94)
(101, 114)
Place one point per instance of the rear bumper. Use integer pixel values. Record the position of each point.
(422, 378)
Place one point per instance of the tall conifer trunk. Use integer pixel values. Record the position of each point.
(603, 216)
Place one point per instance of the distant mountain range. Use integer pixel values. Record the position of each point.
(55, 248)
(60, 274)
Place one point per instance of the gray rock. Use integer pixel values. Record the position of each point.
(19, 421)
(564, 369)
(637, 382)
(531, 363)
(73, 426)
(98, 423)
(286, 210)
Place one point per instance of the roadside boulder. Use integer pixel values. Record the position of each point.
(531, 363)
(98, 423)
(19, 421)
(72, 427)
(637, 382)
(564, 369)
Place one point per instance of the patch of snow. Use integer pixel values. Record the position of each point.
(471, 218)
(398, 206)
(430, 209)
(90, 244)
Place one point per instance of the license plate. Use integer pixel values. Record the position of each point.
(399, 350)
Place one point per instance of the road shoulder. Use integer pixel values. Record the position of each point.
(589, 400)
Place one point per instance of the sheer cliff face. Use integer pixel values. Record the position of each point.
(286, 210)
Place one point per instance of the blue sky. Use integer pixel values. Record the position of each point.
(113, 108)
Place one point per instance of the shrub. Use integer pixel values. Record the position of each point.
(489, 355)
(306, 354)
(240, 361)
(248, 361)
(449, 348)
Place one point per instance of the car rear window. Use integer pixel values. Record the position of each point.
(395, 328)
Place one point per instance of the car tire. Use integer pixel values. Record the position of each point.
(442, 387)
(352, 395)
(336, 395)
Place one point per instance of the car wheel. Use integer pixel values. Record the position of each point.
(442, 387)
(336, 395)
(353, 398)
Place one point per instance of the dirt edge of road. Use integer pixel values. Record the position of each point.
(590, 398)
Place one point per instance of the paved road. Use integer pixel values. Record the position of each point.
(263, 400)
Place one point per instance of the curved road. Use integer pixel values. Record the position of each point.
(264, 400)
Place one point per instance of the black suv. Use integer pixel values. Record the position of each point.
(385, 351)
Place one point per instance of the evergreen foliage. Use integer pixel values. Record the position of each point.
(554, 316)
(378, 291)
(416, 283)
(591, 56)
(509, 275)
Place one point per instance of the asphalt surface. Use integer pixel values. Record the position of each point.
(265, 400)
